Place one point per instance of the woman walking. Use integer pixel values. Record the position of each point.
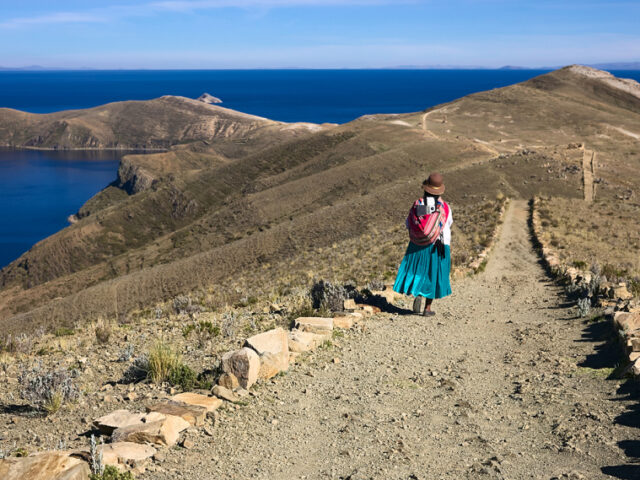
(424, 271)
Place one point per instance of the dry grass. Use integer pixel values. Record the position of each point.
(163, 360)
(604, 232)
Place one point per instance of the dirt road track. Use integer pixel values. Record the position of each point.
(504, 382)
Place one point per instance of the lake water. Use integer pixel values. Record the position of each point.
(38, 190)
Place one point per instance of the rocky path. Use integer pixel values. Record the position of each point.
(494, 386)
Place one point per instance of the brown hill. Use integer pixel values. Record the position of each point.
(237, 210)
(146, 125)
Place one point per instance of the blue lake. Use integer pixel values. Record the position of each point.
(39, 189)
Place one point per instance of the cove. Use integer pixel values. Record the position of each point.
(40, 189)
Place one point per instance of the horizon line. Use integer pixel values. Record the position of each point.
(634, 65)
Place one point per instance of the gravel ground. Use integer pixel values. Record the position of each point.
(504, 382)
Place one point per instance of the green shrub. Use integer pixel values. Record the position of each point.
(204, 330)
(111, 473)
(183, 376)
(187, 329)
(63, 331)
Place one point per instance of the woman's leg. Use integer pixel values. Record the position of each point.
(427, 308)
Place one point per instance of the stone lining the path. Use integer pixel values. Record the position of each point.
(623, 314)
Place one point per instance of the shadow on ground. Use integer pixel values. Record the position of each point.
(608, 355)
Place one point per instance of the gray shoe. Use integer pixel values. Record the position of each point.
(428, 313)
(419, 305)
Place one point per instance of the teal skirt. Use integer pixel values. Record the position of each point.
(424, 273)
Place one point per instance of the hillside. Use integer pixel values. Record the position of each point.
(242, 200)
(133, 125)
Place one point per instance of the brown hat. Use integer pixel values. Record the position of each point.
(434, 184)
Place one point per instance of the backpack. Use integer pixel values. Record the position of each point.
(426, 229)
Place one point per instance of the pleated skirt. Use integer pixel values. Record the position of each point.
(423, 272)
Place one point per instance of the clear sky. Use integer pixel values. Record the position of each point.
(316, 33)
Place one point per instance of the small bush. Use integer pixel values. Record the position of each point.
(325, 295)
(181, 304)
(187, 329)
(64, 332)
(21, 343)
(162, 360)
(126, 353)
(137, 371)
(204, 331)
(183, 376)
(19, 452)
(584, 306)
(111, 473)
(48, 390)
(184, 304)
(580, 264)
(103, 331)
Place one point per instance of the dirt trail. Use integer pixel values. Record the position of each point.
(486, 146)
(492, 387)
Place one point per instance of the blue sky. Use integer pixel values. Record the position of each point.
(315, 33)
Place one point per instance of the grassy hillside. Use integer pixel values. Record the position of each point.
(262, 204)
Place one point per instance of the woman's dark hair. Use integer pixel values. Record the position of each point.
(427, 194)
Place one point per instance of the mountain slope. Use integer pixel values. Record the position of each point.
(232, 216)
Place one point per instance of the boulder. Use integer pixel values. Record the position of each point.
(122, 454)
(635, 368)
(271, 365)
(120, 418)
(273, 349)
(229, 381)
(368, 309)
(194, 414)
(345, 322)
(388, 294)
(314, 324)
(157, 428)
(620, 291)
(210, 404)
(244, 364)
(627, 321)
(56, 465)
(300, 341)
(225, 394)
(349, 304)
